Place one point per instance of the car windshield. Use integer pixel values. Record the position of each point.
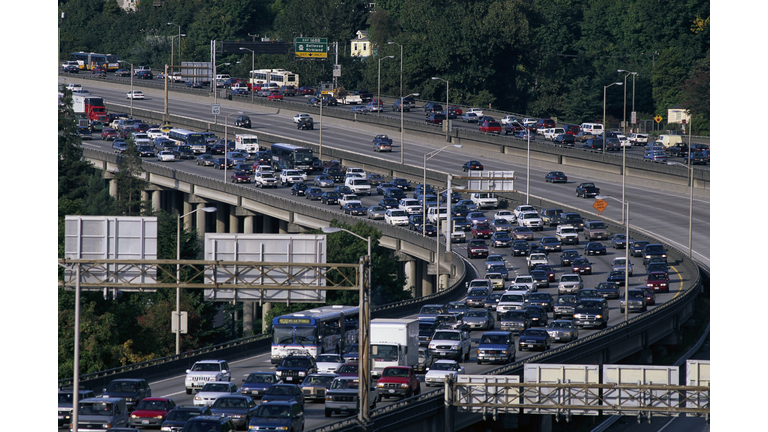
(126, 386)
(655, 277)
(156, 405)
(214, 387)
(446, 336)
(260, 378)
(534, 332)
(273, 411)
(568, 278)
(182, 415)
(445, 366)
(348, 369)
(560, 324)
(295, 362)
(512, 298)
(588, 305)
(230, 402)
(96, 409)
(431, 310)
(344, 384)
(476, 313)
(539, 296)
(566, 300)
(328, 358)
(323, 380)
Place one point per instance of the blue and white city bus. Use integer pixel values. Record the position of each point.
(327, 329)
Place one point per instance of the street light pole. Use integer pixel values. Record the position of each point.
(170, 24)
(626, 254)
(131, 90)
(216, 90)
(253, 65)
(378, 100)
(690, 203)
(402, 143)
(447, 121)
(226, 147)
(428, 156)
(364, 343)
(402, 126)
(178, 272)
(605, 90)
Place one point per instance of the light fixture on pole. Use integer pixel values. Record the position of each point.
(428, 156)
(363, 372)
(131, 90)
(605, 90)
(378, 96)
(623, 148)
(179, 26)
(178, 272)
(446, 107)
(250, 74)
(690, 203)
(226, 147)
(626, 254)
(528, 166)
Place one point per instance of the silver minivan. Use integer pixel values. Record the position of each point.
(100, 414)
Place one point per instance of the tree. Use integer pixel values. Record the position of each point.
(130, 183)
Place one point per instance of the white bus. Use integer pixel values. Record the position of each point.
(195, 140)
(280, 77)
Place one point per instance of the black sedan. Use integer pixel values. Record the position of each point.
(594, 248)
(541, 277)
(534, 339)
(556, 177)
(619, 241)
(472, 166)
(330, 198)
(567, 257)
(389, 203)
(429, 229)
(122, 72)
(299, 189)
(564, 139)
(355, 209)
(638, 247)
(550, 244)
(538, 315)
(313, 193)
(608, 290)
(501, 239)
(543, 299)
(239, 408)
(520, 248)
(617, 276)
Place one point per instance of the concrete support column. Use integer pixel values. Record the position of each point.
(200, 221)
(186, 208)
(234, 226)
(442, 282)
(248, 318)
(427, 281)
(265, 308)
(144, 196)
(409, 268)
(110, 178)
(282, 226)
(222, 214)
(156, 198)
(248, 224)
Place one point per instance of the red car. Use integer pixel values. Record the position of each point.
(477, 248)
(108, 134)
(581, 266)
(275, 95)
(241, 177)
(398, 381)
(490, 127)
(547, 268)
(141, 127)
(151, 412)
(657, 280)
(481, 230)
(304, 90)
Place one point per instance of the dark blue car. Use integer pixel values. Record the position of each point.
(257, 384)
(284, 393)
(520, 248)
(287, 416)
(238, 408)
(534, 339)
(313, 194)
(594, 248)
(178, 417)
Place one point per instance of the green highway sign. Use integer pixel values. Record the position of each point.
(311, 47)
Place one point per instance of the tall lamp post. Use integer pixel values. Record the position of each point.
(626, 253)
(178, 272)
(179, 26)
(378, 100)
(363, 372)
(131, 90)
(446, 106)
(690, 203)
(401, 97)
(605, 90)
(253, 64)
(428, 156)
(402, 126)
(624, 129)
(226, 147)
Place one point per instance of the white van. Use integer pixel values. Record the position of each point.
(593, 128)
(359, 185)
(668, 140)
(433, 212)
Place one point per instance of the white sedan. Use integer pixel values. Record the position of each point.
(523, 208)
(440, 370)
(134, 94)
(166, 156)
(298, 117)
(506, 215)
(396, 217)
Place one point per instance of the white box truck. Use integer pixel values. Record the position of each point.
(394, 342)
(247, 142)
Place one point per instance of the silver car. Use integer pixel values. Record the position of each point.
(479, 319)
(562, 331)
(376, 212)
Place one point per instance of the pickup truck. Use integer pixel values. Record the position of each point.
(290, 177)
(550, 217)
(141, 68)
(485, 200)
(677, 150)
(348, 199)
(567, 234)
(587, 190)
(535, 259)
(448, 343)
(595, 230)
(342, 396)
(398, 381)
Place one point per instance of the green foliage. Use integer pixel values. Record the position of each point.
(130, 183)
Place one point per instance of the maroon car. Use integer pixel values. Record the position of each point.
(241, 177)
(482, 230)
(151, 412)
(476, 248)
(657, 280)
(490, 127)
(581, 266)
(108, 134)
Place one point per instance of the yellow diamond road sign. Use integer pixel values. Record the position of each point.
(600, 205)
(658, 118)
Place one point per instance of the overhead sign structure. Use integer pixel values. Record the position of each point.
(272, 250)
(311, 47)
(600, 205)
(559, 374)
(112, 238)
(639, 375)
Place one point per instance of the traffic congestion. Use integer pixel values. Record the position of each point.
(543, 277)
